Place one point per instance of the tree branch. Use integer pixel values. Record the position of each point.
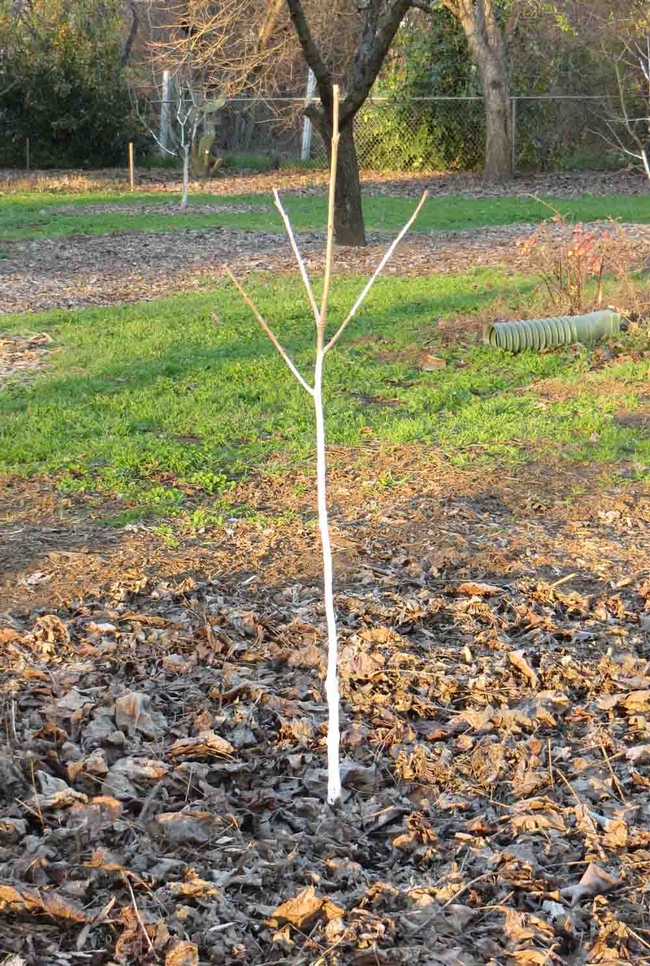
(370, 58)
(299, 258)
(353, 311)
(262, 321)
(329, 253)
(310, 52)
(125, 53)
(271, 17)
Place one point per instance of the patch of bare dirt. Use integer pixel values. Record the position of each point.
(555, 390)
(22, 355)
(76, 271)
(164, 734)
(636, 419)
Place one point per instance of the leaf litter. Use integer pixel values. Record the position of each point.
(85, 270)
(163, 768)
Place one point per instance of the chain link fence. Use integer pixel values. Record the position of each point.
(430, 133)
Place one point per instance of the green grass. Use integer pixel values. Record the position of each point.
(51, 215)
(156, 404)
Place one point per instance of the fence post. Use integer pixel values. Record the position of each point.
(164, 110)
(306, 128)
(131, 171)
(513, 135)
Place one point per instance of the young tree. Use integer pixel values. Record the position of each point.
(323, 346)
(190, 106)
(629, 126)
(210, 52)
(623, 41)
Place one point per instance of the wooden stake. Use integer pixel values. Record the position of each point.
(131, 167)
(330, 216)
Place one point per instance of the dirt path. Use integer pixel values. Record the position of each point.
(80, 271)
(567, 184)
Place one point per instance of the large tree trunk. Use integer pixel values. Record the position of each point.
(496, 97)
(488, 51)
(381, 22)
(349, 227)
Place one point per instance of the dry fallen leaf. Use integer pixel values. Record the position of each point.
(302, 909)
(182, 953)
(638, 754)
(206, 745)
(538, 821)
(55, 793)
(531, 957)
(595, 882)
(518, 660)
(132, 715)
(429, 363)
(473, 589)
(637, 701)
(188, 828)
(193, 885)
(32, 900)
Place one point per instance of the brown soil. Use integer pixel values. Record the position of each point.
(556, 185)
(77, 271)
(51, 551)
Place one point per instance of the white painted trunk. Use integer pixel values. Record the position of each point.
(331, 681)
(186, 175)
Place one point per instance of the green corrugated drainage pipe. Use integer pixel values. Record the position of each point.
(545, 333)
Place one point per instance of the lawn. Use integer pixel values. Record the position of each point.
(159, 404)
(56, 215)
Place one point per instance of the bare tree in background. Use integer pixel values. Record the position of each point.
(227, 46)
(189, 108)
(618, 37)
(629, 125)
(211, 51)
(376, 23)
(129, 40)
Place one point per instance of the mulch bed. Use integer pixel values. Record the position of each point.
(566, 184)
(79, 271)
(163, 752)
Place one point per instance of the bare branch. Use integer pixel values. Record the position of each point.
(310, 50)
(299, 258)
(258, 315)
(370, 57)
(377, 272)
(127, 46)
